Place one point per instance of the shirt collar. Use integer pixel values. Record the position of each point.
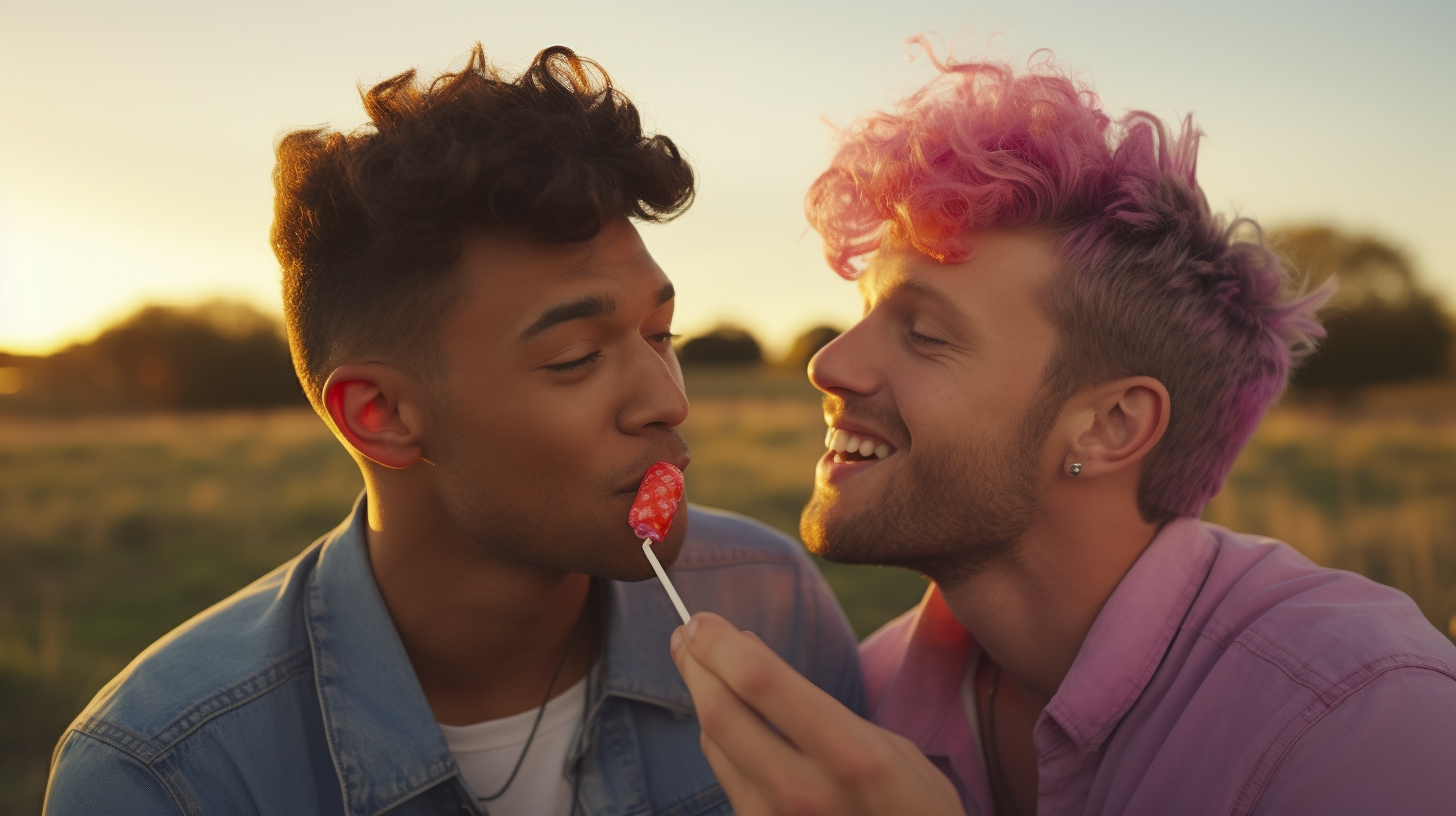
(1126, 643)
(380, 728)
(638, 664)
(925, 687)
(1132, 633)
(381, 731)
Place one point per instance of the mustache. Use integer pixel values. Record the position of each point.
(668, 448)
(865, 412)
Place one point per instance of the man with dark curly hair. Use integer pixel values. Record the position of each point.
(472, 311)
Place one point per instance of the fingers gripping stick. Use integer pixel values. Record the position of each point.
(651, 515)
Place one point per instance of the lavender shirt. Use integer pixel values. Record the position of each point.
(1227, 674)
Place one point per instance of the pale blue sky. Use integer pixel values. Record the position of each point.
(137, 138)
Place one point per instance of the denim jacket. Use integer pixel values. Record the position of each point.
(295, 694)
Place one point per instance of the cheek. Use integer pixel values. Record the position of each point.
(549, 438)
(544, 437)
(935, 405)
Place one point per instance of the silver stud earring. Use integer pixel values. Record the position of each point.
(1075, 469)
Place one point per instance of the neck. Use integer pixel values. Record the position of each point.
(483, 634)
(1031, 612)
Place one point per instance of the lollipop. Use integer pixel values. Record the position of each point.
(651, 515)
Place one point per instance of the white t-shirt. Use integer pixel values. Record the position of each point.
(487, 751)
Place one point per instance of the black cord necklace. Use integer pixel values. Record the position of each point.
(991, 738)
(540, 712)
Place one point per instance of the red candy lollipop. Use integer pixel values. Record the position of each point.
(657, 501)
(651, 515)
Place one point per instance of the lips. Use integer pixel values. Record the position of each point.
(678, 456)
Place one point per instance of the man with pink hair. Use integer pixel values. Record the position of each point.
(1062, 352)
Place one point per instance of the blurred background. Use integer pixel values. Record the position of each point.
(156, 453)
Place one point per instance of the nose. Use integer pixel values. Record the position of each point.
(657, 398)
(847, 363)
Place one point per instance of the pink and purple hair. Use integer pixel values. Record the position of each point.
(1152, 282)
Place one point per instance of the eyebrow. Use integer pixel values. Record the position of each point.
(583, 308)
(924, 290)
(579, 309)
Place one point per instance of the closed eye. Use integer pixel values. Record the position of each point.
(573, 365)
(925, 340)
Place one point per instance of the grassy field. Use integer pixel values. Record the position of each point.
(115, 530)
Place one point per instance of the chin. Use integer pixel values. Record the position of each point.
(822, 527)
(881, 533)
(621, 558)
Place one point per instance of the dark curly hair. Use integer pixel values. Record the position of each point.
(368, 225)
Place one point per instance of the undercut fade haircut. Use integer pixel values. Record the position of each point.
(1151, 281)
(368, 224)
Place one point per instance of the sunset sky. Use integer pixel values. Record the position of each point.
(137, 137)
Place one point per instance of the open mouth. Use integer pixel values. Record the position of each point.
(856, 446)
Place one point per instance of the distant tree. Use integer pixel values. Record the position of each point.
(220, 355)
(806, 345)
(216, 356)
(725, 345)
(1383, 325)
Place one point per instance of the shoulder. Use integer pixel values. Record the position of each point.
(765, 582)
(1385, 748)
(747, 571)
(1324, 628)
(720, 538)
(229, 655)
(1298, 664)
(93, 776)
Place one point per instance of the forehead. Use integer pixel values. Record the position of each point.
(1004, 271)
(509, 277)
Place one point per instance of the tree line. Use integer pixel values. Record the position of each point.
(1384, 326)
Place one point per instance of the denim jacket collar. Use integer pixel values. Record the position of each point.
(637, 664)
(382, 734)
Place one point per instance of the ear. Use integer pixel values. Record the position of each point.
(1114, 425)
(376, 410)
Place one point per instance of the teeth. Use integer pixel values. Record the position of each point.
(839, 458)
(843, 442)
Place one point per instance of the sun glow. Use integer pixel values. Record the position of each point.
(139, 178)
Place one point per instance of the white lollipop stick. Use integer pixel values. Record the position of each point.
(682, 611)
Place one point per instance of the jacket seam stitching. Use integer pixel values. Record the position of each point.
(146, 766)
(143, 750)
(255, 686)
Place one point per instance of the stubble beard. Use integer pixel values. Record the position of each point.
(952, 514)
